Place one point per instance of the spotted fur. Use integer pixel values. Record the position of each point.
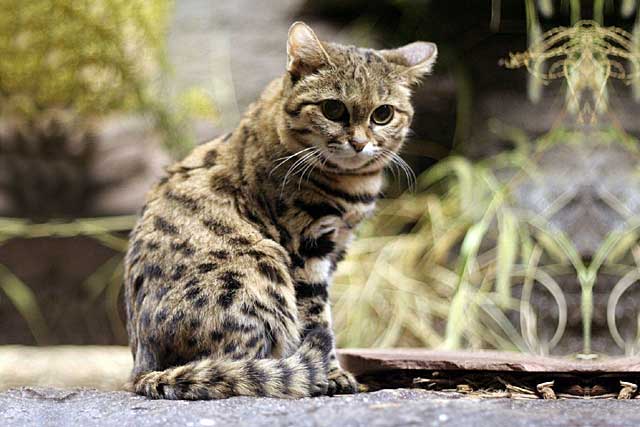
(228, 271)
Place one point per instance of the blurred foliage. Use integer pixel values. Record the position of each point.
(196, 103)
(91, 57)
(456, 264)
(25, 302)
(105, 282)
(585, 56)
(436, 268)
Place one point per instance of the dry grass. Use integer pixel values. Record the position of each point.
(455, 265)
(435, 269)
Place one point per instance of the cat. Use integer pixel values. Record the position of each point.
(228, 268)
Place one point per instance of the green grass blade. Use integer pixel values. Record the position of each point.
(507, 254)
(24, 300)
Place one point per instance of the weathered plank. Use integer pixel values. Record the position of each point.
(365, 361)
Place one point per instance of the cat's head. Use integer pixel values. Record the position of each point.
(350, 105)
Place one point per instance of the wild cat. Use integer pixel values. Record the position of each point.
(228, 269)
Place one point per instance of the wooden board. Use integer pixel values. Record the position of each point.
(366, 361)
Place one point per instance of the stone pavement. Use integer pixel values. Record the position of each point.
(84, 407)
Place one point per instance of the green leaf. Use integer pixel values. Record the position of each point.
(507, 253)
(24, 300)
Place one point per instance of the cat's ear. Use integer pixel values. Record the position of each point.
(416, 58)
(305, 53)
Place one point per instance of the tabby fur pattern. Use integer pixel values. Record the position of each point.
(228, 270)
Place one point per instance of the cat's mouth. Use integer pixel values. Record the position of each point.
(346, 158)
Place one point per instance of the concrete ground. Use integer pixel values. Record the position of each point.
(54, 375)
(83, 407)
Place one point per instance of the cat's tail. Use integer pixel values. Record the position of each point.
(302, 374)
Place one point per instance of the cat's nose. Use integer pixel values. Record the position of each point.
(359, 138)
(358, 144)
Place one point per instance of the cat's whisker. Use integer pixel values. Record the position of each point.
(309, 166)
(325, 159)
(297, 167)
(392, 166)
(407, 174)
(314, 162)
(386, 156)
(285, 159)
(399, 162)
(294, 168)
(317, 160)
(411, 176)
(297, 153)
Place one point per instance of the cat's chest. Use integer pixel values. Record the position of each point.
(323, 241)
(337, 228)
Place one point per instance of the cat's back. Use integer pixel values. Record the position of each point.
(191, 212)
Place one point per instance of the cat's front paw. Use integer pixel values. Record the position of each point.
(341, 382)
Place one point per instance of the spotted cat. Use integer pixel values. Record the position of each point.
(228, 269)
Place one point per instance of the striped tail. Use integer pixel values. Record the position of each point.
(302, 374)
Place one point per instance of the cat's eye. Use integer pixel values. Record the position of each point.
(333, 110)
(382, 115)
